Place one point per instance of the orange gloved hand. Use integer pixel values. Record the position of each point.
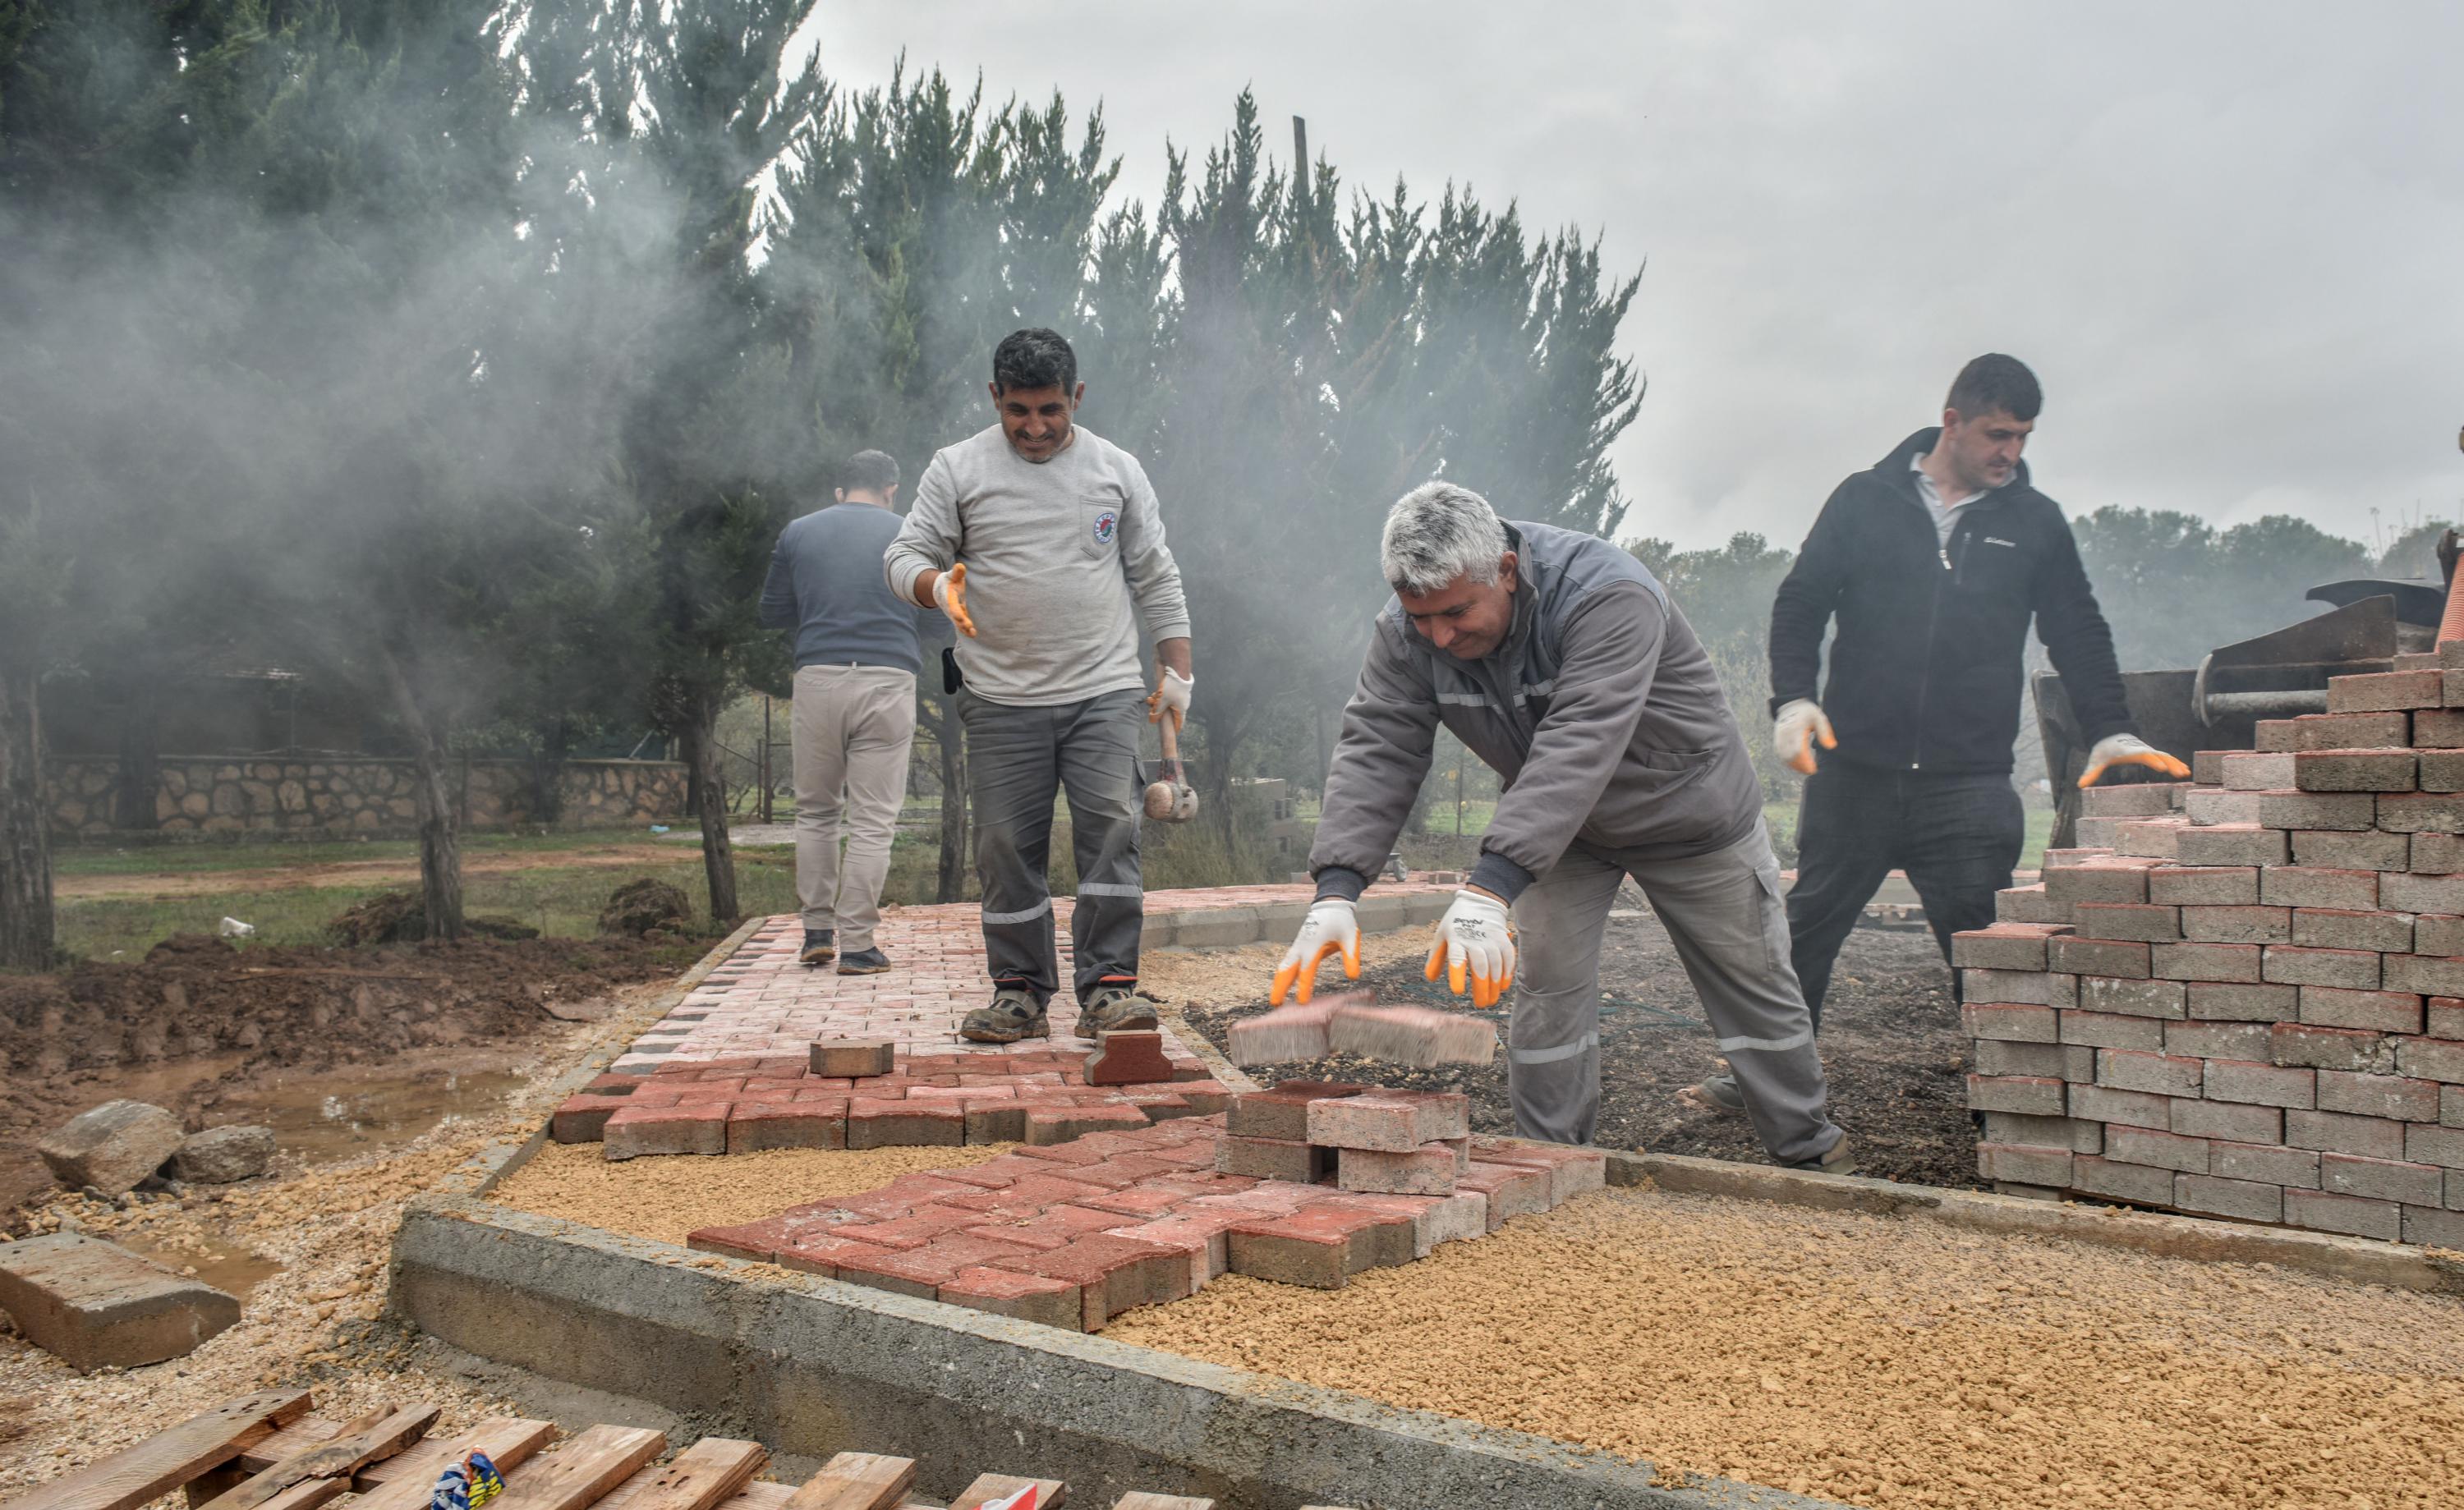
(1475, 948)
(950, 596)
(1332, 926)
(2129, 750)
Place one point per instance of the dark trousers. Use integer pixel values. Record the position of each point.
(1956, 835)
(1018, 760)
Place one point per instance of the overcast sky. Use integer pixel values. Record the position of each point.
(2229, 237)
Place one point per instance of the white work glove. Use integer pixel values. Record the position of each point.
(1799, 724)
(1172, 696)
(1331, 926)
(2129, 750)
(950, 596)
(1475, 945)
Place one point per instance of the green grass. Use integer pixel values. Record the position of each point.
(189, 858)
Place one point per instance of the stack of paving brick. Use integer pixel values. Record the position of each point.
(1073, 1233)
(1363, 1138)
(2247, 999)
(856, 1094)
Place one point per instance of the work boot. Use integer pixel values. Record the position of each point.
(1721, 1093)
(818, 948)
(1014, 1013)
(1840, 1160)
(1112, 1008)
(863, 962)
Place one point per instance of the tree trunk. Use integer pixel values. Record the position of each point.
(706, 793)
(440, 838)
(26, 939)
(951, 885)
(547, 775)
(140, 776)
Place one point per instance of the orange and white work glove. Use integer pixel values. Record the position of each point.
(1332, 926)
(2129, 750)
(1475, 948)
(950, 596)
(1799, 724)
(1172, 696)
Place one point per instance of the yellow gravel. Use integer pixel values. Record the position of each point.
(666, 1198)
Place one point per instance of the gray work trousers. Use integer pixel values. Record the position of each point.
(852, 728)
(1017, 758)
(1724, 914)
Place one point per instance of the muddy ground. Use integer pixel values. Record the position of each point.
(1891, 1046)
(318, 1043)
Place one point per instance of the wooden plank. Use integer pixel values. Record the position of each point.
(380, 1433)
(1141, 1500)
(579, 1470)
(301, 1434)
(761, 1495)
(991, 1487)
(168, 1459)
(709, 1473)
(405, 1481)
(856, 1481)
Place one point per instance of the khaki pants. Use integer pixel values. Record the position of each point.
(852, 728)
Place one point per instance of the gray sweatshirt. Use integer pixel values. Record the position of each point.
(824, 587)
(1062, 558)
(1601, 711)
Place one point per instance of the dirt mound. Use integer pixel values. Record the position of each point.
(401, 917)
(638, 907)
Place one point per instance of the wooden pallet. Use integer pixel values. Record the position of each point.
(267, 1452)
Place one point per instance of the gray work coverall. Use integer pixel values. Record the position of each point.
(1620, 757)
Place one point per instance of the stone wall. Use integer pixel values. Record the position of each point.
(348, 796)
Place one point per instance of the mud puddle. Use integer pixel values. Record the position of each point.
(342, 1113)
(228, 1265)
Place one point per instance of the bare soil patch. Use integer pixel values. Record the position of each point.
(667, 1198)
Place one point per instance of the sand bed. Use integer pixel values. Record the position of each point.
(667, 1198)
(1884, 1362)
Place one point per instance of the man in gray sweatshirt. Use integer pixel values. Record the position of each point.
(1041, 542)
(856, 659)
(1559, 660)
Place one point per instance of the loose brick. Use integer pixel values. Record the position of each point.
(2250, 771)
(2222, 1003)
(2232, 845)
(1996, 1058)
(2104, 881)
(2429, 974)
(2224, 962)
(2442, 770)
(2228, 1122)
(2204, 886)
(2352, 769)
(2234, 1040)
(634, 1132)
(2112, 1031)
(1273, 1159)
(2437, 729)
(2027, 904)
(2445, 1018)
(2380, 1010)
(2351, 968)
(1128, 1058)
(2310, 885)
(1027, 1297)
(853, 1058)
(1282, 1112)
(2260, 1085)
(2005, 945)
(754, 1125)
(1571, 1170)
(2161, 1150)
(2011, 987)
(2119, 958)
(2147, 1185)
(2340, 1132)
(2435, 934)
(2206, 806)
(2156, 837)
(2439, 1229)
(1114, 1274)
(2421, 812)
(1287, 1034)
(2373, 731)
(2428, 1143)
(1398, 1122)
(2242, 1199)
(2408, 891)
(2384, 691)
(1512, 1189)
(2037, 1095)
(2129, 1108)
(583, 1118)
(2317, 809)
(2026, 1165)
(1421, 1037)
(2238, 925)
(2137, 998)
(2381, 1179)
(877, 1124)
(2321, 1211)
(1428, 1170)
(2011, 1024)
(2346, 1049)
(2044, 1133)
(1048, 1125)
(2451, 1106)
(2132, 798)
(2338, 928)
(2274, 735)
(2431, 1059)
(995, 1120)
(2163, 1075)
(2351, 849)
(2265, 1164)
(2141, 921)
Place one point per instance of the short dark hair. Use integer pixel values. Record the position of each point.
(1995, 381)
(1034, 359)
(871, 471)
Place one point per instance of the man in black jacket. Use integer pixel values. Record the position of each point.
(1934, 562)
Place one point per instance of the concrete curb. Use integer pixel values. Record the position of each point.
(811, 1366)
(2359, 1260)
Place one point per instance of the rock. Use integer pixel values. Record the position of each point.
(639, 906)
(224, 1155)
(112, 1146)
(97, 1305)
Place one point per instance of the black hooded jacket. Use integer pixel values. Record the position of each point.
(1927, 669)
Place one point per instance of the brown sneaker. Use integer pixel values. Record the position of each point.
(1012, 1015)
(1113, 1009)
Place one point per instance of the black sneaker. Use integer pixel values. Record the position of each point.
(863, 962)
(1013, 1014)
(1113, 1009)
(818, 948)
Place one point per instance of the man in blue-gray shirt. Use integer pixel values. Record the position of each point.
(857, 661)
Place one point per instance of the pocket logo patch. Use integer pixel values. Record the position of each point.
(1107, 525)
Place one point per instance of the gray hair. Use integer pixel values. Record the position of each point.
(1437, 533)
